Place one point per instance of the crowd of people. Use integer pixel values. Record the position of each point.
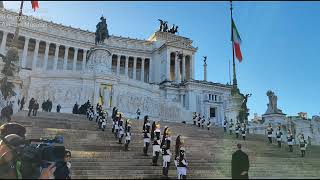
(34, 106)
(152, 133)
(161, 143)
(201, 121)
(290, 139)
(237, 128)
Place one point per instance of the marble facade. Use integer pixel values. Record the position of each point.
(63, 64)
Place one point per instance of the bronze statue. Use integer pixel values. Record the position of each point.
(244, 111)
(164, 27)
(175, 30)
(205, 60)
(161, 25)
(102, 31)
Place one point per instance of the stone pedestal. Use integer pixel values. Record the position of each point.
(274, 119)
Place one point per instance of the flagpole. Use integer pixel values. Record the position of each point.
(233, 61)
(16, 33)
(229, 73)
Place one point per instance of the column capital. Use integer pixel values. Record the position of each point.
(5, 32)
(48, 43)
(57, 45)
(27, 38)
(37, 40)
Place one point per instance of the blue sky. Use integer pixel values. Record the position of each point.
(280, 41)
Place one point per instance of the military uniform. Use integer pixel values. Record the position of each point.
(202, 121)
(194, 118)
(181, 164)
(269, 133)
(243, 131)
(237, 129)
(166, 153)
(278, 136)
(121, 130)
(230, 127)
(290, 141)
(303, 145)
(156, 145)
(209, 124)
(225, 123)
(127, 135)
(146, 138)
(199, 120)
(116, 125)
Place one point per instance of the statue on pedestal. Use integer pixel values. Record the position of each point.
(244, 111)
(102, 31)
(272, 106)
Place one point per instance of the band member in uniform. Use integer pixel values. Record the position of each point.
(303, 145)
(181, 164)
(203, 120)
(269, 132)
(121, 129)
(146, 137)
(104, 122)
(116, 124)
(199, 120)
(243, 131)
(209, 123)
(153, 128)
(278, 135)
(166, 153)
(290, 140)
(225, 123)
(178, 144)
(230, 126)
(156, 145)
(194, 118)
(127, 134)
(237, 129)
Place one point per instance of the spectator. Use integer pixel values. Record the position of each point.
(58, 108)
(31, 104)
(22, 103)
(239, 164)
(35, 108)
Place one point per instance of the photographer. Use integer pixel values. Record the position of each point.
(19, 159)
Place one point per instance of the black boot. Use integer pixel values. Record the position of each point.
(184, 176)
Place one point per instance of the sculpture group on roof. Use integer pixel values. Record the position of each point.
(164, 27)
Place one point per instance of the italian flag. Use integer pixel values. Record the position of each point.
(34, 5)
(235, 38)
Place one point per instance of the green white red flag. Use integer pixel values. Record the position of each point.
(34, 5)
(236, 41)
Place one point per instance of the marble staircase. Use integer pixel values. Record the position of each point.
(96, 154)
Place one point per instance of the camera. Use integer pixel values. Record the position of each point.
(37, 154)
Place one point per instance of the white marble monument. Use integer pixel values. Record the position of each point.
(64, 64)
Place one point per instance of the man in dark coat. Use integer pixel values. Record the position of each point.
(58, 107)
(31, 105)
(239, 164)
(75, 108)
(22, 103)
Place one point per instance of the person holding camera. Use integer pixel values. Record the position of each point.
(17, 156)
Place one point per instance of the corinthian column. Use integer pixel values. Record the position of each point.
(75, 57)
(142, 69)
(56, 56)
(65, 59)
(134, 68)
(35, 55)
(25, 52)
(84, 58)
(46, 54)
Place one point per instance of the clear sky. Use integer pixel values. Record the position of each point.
(280, 41)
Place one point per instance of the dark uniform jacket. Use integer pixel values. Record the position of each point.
(240, 163)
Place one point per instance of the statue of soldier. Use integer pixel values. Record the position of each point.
(102, 31)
